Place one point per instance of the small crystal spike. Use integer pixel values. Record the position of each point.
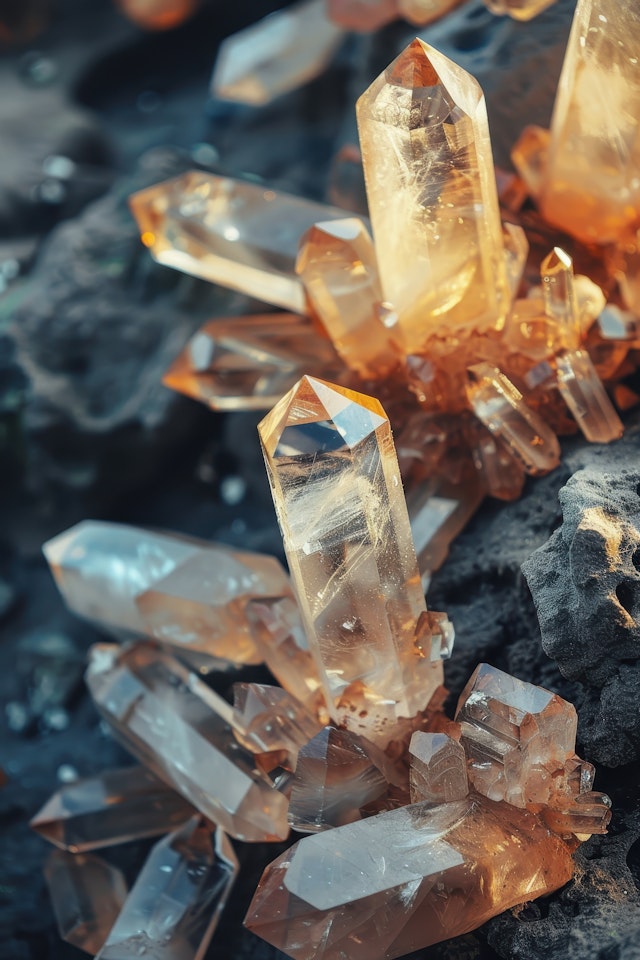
(438, 770)
(237, 234)
(175, 904)
(518, 9)
(110, 808)
(436, 222)
(591, 187)
(275, 55)
(181, 729)
(560, 302)
(338, 495)
(248, 363)
(87, 894)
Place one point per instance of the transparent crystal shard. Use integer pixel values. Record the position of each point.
(334, 778)
(501, 475)
(560, 302)
(584, 815)
(363, 16)
(591, 188)
(240, 235)
(176, 902)
(110, 808)
(438, 768)
(515, 735)
(435, 635)
(432, 196)
(87, 894)
(421, 12)
(278, 633)
(529, 156)
(518, 9)
(185, 592)
(272, 724)
(499, 406)
(174, 724)
(382, 887)
(338, 495)
(158, 14)
(275, 55)
(337, 265)
(248, 363)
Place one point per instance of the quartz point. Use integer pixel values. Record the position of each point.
(438, 768)
(178, 727)
(337, 265)
(272, 724)
(334, 778)
(240, 235)
(338, 496)
(113, 807)
(425, 144)
(249, 362)
(275, 55)
(382, 887)
(499, 405)
(175, 904)
(185, 592)
(421, 12)
(87, 894)
(518, 9)
(591, 188)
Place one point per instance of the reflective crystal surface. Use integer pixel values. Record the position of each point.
(177, 899)
(87, 894)
(586, 397)
(339, 500)
(271, 723)
(248, 362)
(438, 768)
(240, 235)
(174, 724)
(425, 143)
(110, 808)
(276, 54)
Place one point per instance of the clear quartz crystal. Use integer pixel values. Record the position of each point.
(438, 768)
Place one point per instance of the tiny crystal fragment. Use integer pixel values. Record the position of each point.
(110, 808)
(177, 726)
(249, 362)
(275, 55)
(584, 815)
(586, 397)
(337, 265)
(435, 635)
(334, 778)
(561, 305)
(87, 894)
(237, 234)
(175, 904)
(158, 14)
(184, 592)
(269, 722)
(382, 887)
(591, 188)
(338, 495)
(425, 147)
(499, 405)
(438, 770)
(518, 9)
(421, 12)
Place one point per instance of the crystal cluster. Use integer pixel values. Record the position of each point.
(414, 822)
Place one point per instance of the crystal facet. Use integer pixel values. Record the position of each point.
(271, 723)
(438, 770)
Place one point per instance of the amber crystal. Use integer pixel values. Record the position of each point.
(158, 14)
(334, 778)
(173, 723)
(87, 894)
(591, 188)
(110, 808)
(276, 54)
(438, 770)
(185, 592)
(249, 362)
(421, 12)
(382, 887)
(240, 235)
(425, 145)
(343, 517)
(175, 904)
(518, 9)
(337, 265)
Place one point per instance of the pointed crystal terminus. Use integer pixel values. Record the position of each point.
(87, 894)
(249, 362)
(338, 496)
(240, 235)
(175, 904)
(438, 768)
(499, 405)
(180, 729)
(560, 301)
(432, 196)
(113, 807)
(591, 188)
(184, 592)
(373, 890)
(275, 55)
